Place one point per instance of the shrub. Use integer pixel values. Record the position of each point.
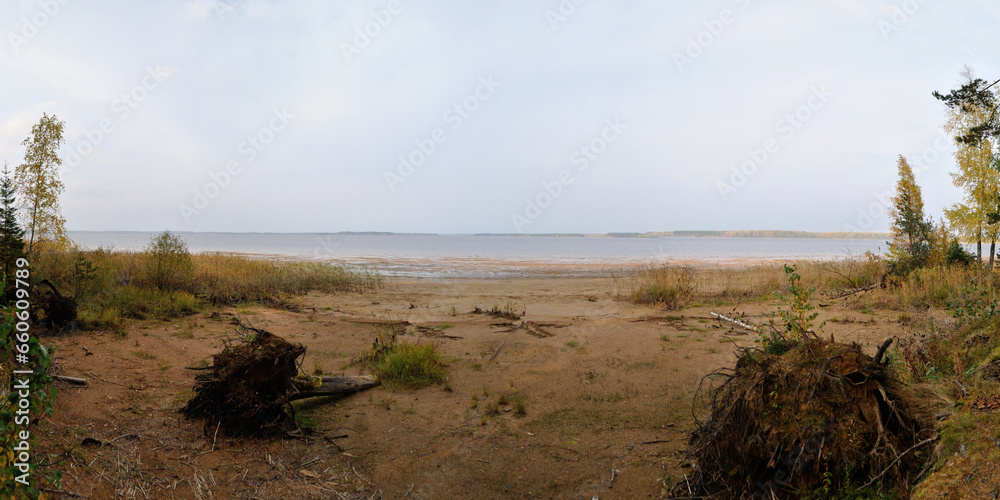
(170, 266)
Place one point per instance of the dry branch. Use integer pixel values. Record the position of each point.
(735, 322)
(72, 380)
(852, 291)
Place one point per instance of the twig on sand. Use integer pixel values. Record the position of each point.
(496, 352)
(64, 493)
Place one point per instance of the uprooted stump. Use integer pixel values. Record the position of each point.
(250, 384)
(822, 416)
(53, 310)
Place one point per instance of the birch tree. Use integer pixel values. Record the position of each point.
(38, 184)
(977, 217)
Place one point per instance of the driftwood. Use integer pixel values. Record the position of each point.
(735, 322)
(311, 387)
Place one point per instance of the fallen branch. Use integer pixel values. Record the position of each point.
(72, 380)
(848, 293)
(496, 352)
(736, 322)
(961, 387)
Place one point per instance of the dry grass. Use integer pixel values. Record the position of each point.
(112, 286)
(675, 287)
(679, 286)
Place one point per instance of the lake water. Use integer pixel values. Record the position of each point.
(495, 256)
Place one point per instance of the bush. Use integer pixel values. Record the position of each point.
(170, 266)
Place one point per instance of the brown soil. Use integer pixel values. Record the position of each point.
(606, 387)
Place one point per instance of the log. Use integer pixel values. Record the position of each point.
(735, 322)
(312, 387)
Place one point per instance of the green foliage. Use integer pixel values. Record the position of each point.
(41, 400)
(976, 302)
(11, 234)
(84, 274)
(411, 366)
(795, 318)
(171, 265)
(958, 255)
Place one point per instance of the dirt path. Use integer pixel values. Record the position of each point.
(605, 386)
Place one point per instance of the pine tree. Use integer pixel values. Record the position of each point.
(11, 234)
(38, 184)
(911, 231)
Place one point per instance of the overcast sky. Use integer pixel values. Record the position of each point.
(548, 116)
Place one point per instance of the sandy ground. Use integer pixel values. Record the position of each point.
(607, 388)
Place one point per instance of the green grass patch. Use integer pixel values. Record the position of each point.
(409, 366)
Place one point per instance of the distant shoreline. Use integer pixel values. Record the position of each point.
(840, 235)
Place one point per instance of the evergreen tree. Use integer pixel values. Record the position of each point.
(911, 230)
(11, 234)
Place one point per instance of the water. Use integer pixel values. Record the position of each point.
(495, 256)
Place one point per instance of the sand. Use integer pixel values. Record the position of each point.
(607, 388)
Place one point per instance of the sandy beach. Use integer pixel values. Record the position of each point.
(607, 388)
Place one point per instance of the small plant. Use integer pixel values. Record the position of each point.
(795, 317)
(84, 274)
(519, 408)
(402, 364)
(572, 343)
(507, 312)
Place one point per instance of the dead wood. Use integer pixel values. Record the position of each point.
(312, 387)
(736, 322)
(72, 380)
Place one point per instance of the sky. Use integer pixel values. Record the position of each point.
(554, 116)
